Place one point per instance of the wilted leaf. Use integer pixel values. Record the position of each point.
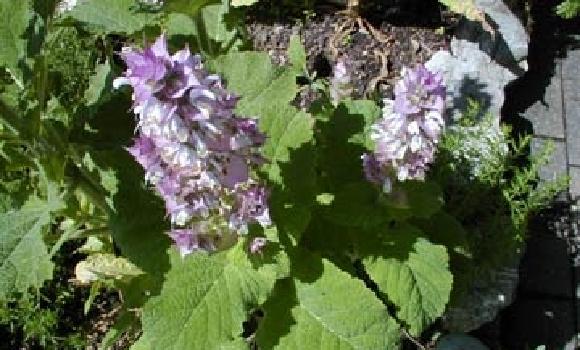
(98, 267)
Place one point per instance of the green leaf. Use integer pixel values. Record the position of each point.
(444, 229)
(323, 307)
(263, 87)
(112, 16)
(297, 53)
(179, 24)
(341, 141)
(568, 9)
(138, 230)
(24, 258)
(56, 111)
(99, 84)
(357, 205)
(219, 35)
(18, 17)
(206, 298)
(369, 111)
(413, 273)
(188, 7)
(238, 3)
(424, 198)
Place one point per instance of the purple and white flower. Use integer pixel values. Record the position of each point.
(407, 135)
(193, 147)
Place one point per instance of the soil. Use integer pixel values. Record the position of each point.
(403, 34)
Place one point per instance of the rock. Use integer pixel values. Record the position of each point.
(484, 301)
(458, 341)
(480, 64)
(510, 44)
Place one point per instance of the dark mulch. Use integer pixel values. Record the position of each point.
(410, 34)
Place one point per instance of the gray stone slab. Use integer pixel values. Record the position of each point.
(574, 172)
(571, 89)
(534, 322)
(573, 130)
(546, 268)
(557, 165)
(571, 65)
(546, 116)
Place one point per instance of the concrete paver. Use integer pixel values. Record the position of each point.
(546, 115)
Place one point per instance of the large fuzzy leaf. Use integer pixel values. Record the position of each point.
(218, 32)
(206, 298)
(17, 19)
(322, 307)
(188, 7)
(24, 258)
(112, 16)
(413, 273)
(261, 84)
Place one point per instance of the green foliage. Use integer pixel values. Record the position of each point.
(24, 259)
(113, 16)
(320, 308)
(48, 319)
(568, 9)
(413, 273)
(491, 188)
(183, 316)
(19, 18)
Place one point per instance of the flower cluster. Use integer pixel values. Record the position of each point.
(195, 151)
(406, 136)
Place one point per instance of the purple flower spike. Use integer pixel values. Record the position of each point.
(407, 135)
(194, 149)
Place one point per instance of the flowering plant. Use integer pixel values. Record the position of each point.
(224, 215)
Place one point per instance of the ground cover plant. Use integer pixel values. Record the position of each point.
(176, 159)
